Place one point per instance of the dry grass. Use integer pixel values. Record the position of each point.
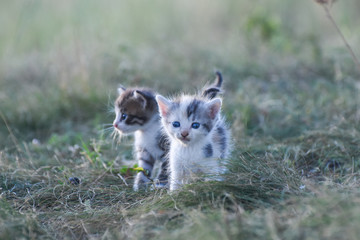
(292, 100)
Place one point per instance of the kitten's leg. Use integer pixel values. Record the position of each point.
(215, 171)
(162, 178)
(175, 180)
(146, 161)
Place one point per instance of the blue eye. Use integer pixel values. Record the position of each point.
(176, 124)
(123, 116)
(195, 125)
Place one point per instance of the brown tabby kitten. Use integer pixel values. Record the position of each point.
(137, 112)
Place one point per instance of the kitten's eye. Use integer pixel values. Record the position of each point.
(123, 116)
(176, 124)
(195, 125)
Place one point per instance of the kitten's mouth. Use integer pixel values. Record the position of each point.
(184, 139)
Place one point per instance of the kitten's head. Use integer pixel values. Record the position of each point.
(188, 119)
(134, 108)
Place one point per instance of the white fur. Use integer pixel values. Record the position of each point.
(188, 163)
(145, 137)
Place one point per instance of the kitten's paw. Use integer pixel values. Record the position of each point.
(214, 178)
(160, 184)
(141, 182)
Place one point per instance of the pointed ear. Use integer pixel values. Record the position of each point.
(213, 107)
(121, 89)
(141, 97)
(164, 105)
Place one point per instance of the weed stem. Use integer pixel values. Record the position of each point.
(12, 136)
(328, 14)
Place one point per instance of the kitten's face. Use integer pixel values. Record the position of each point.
(188, 120)
(133, 109)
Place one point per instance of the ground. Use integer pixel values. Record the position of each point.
(291, 99)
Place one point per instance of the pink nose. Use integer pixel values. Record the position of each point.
(185, 134)
(115, 125)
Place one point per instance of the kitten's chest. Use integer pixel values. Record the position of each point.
(187, 157)
(149, 140)
(187, 154)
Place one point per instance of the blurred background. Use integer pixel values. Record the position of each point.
(291, 99)
(285, 68)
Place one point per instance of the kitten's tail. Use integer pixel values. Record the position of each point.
(215, 88)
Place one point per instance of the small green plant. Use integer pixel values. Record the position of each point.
(131, 171)
(266, 25)
(92, 152)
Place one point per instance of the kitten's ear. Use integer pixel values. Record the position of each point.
(164, 105)
(213, 107)
(121, 89)
(139, 95)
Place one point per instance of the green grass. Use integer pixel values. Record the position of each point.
(291, 98)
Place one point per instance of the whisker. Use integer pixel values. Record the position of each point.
(116, 136)
(108, 128)
(107, 132)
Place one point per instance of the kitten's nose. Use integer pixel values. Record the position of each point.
(184, 134)
(115, 125)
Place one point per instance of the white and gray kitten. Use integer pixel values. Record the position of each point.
(198, 136)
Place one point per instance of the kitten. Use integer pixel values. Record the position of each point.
(198, 137)
(137, 112)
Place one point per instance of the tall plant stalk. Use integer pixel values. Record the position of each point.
(325, 4)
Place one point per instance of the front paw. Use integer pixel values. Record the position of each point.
(141, 182)
(162, 180)
(160, 184)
